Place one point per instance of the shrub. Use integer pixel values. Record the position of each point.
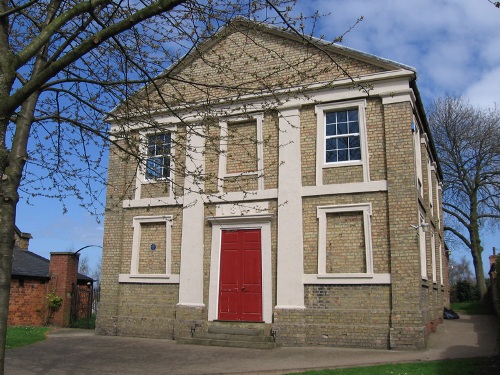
(464, 291)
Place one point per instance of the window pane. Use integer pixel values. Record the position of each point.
(342, 143)
(353, 115)
(354, 142)
(342, 128)
(331, 144)
(354, 127)
(355, 154)
(341, 116)
(153, 168)
(331, 156)
(330, 130)
(343, 155)
(331, 117)
(165, 167)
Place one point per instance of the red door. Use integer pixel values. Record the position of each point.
(240, 288)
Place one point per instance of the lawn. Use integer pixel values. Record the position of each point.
(473, 308)
(22, 336)
(469, 366)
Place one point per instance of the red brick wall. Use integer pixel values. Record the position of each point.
(63, 271)
(27, 304)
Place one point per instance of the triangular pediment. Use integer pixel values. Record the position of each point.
(247, 58)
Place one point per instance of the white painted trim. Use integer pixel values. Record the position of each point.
(137, 221)
(401, 96)
(152, 202)
(259, 118)
(350, 188)
(438, 206)
(418, 158)
(383, 83)
(423, 248)
(148, 279)
(343, 279)
(192, 238)
(262, 222)
(322, 211)
(240, 209)
(262, 195)
(320, 110)
(200, 305)
(441, 277)
(290, 251)
(433, 257)
(429, 185)
(239, 196)
(289, 307)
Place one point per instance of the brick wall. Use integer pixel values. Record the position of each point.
(27, 304)
(64, 272)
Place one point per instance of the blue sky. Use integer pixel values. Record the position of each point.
(454, 45)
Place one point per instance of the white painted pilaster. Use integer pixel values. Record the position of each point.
(191, 270)
(290, 268)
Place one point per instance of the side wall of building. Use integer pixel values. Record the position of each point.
(27, 304)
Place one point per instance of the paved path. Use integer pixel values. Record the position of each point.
(72, 351)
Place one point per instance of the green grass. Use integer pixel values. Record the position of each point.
(472, 308)
(469, 366)
(22, 336)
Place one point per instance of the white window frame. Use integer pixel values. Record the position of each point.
(438, 206)
(433, 257)
(141, 171)
(430, 169)
(322, 211)
(134, 276)
(418, 157)
(423, 248)
(441, 278)
(321, 163)
(259, 118)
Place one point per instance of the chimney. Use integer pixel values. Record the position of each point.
(63, 271)
(22, 240)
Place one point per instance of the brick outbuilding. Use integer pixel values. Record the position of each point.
(34, 278)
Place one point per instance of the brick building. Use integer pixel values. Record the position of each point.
(295, 186)
(34, 277)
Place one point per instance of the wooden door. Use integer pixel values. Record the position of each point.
(240, 287)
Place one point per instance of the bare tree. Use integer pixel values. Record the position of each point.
(466, 139)
(83, 265)
(65, 65)
(460, 271)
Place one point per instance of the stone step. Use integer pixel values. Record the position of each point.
(226, 343)
(229, 329)
(232, 334)
(233, 337)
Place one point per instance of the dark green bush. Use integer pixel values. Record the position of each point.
(464, 291)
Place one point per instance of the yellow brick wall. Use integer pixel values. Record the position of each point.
(345, 243)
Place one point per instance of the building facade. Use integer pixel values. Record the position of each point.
(293, 183)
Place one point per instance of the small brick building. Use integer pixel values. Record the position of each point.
(289, 185)
(34, 277)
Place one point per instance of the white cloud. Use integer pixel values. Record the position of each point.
(453, 44)
(486, 91)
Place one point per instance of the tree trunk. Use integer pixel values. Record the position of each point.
(12, 168)
(476, 251)
(7, 225)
